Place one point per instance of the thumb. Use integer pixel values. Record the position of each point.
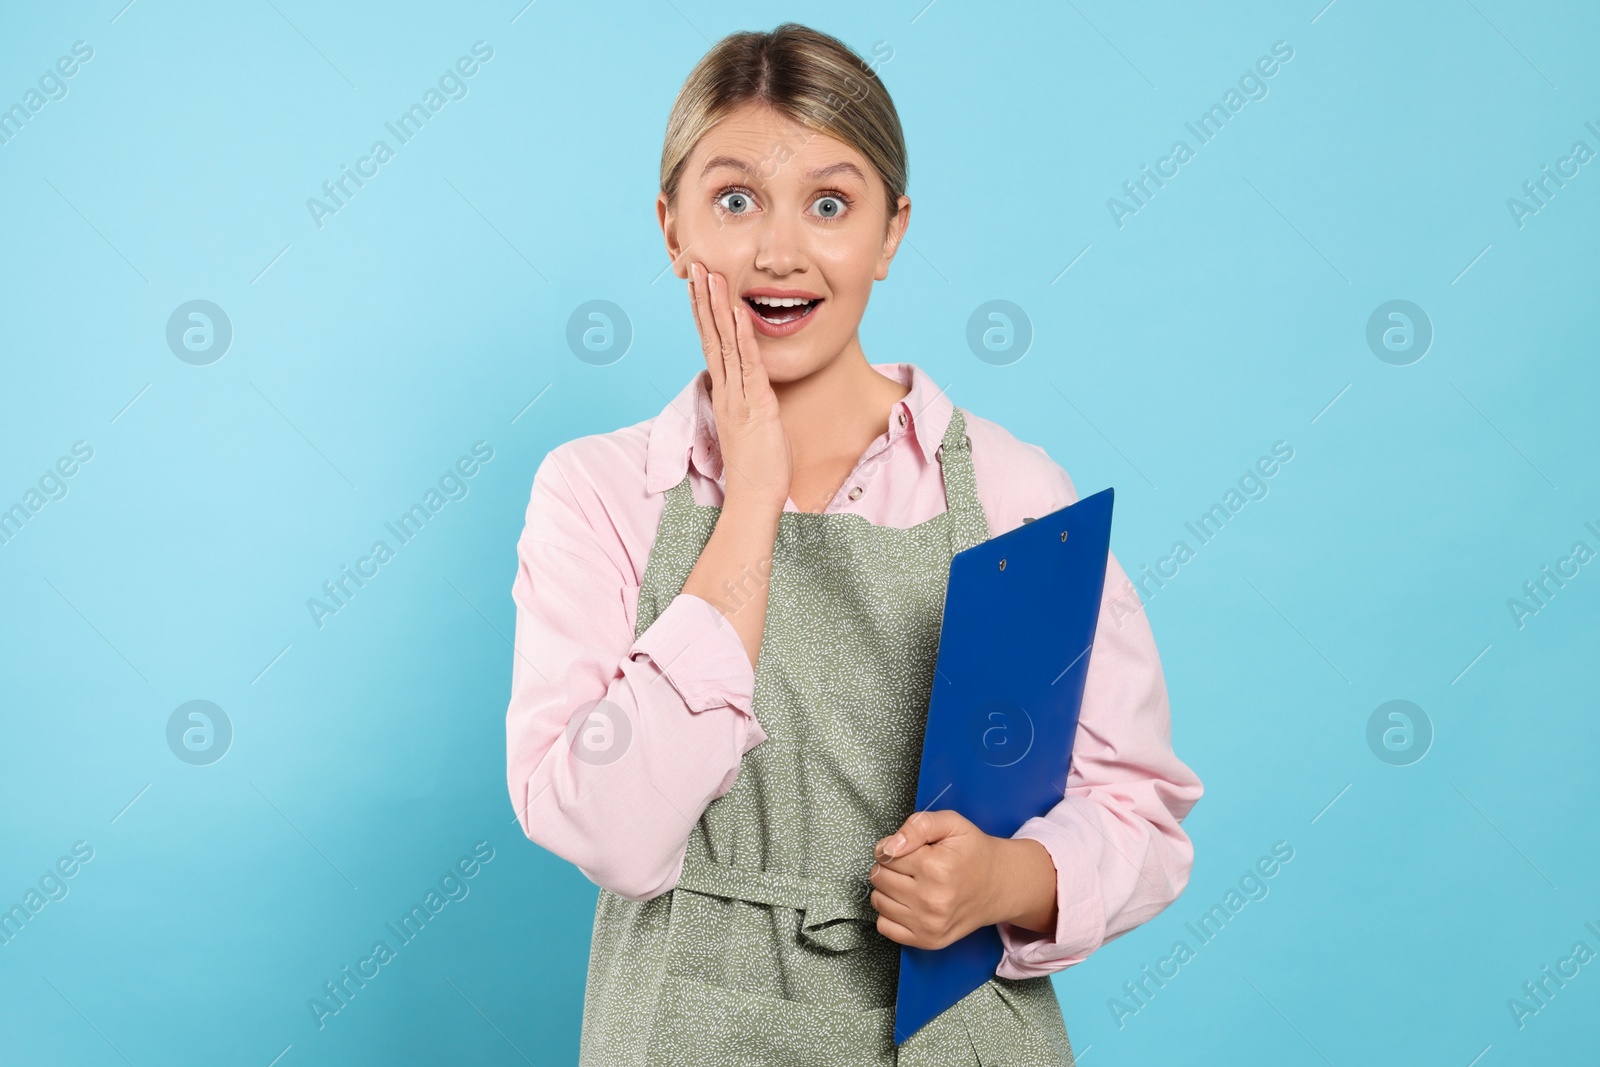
(922, 828)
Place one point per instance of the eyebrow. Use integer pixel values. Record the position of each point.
(814, 174)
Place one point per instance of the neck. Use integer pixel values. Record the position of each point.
(837, 409)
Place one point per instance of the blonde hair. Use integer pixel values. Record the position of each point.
(807, 76)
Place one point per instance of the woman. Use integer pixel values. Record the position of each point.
(727, 618)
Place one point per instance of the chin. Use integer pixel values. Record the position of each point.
(790, 363)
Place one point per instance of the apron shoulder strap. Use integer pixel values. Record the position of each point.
(969, 525)
(680, 535)
(680, 498)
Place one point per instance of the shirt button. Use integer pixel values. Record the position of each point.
(856, 492)
(902, 418)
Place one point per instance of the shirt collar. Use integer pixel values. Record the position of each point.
(686, 429)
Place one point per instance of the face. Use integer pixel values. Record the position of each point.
(785, 213)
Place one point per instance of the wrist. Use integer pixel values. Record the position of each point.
(1026, 895)
(753, 503)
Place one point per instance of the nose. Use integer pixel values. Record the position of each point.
(780, 245)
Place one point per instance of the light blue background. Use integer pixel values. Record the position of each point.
(1228, 314)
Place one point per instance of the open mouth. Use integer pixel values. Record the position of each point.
(781, 312)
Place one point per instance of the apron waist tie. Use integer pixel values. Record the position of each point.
(833, 910)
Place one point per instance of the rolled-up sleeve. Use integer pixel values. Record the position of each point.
(1120, 853)
(707, 671)
(614, 746)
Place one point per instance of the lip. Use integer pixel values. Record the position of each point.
(780, 294)
(768, 329)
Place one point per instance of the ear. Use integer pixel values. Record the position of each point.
(891, 241)
(669, 231)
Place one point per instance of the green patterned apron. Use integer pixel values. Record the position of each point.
(767, 952)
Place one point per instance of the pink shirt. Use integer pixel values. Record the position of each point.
(685, 684)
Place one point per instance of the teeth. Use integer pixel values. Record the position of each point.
(779, 301)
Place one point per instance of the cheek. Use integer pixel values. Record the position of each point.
(847, 304)
(849, 273)
(720, 250)
(719, 247)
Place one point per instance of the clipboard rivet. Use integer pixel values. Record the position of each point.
(1063, 535)
(1002, 564)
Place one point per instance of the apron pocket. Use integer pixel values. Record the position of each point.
(1016, 1023)
(702, 1025)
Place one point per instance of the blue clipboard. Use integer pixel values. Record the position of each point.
(1019, 623)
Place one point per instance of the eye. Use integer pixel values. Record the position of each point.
(832, 205)
(735, 202)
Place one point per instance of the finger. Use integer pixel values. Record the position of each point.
(709, 344)
(894, 847)
(755, 371)
(896, 932)
(727, 334)
(893, 910)
(923, 827)
(895, 883)
(915, 863)
(700, 302)
(909, 865)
